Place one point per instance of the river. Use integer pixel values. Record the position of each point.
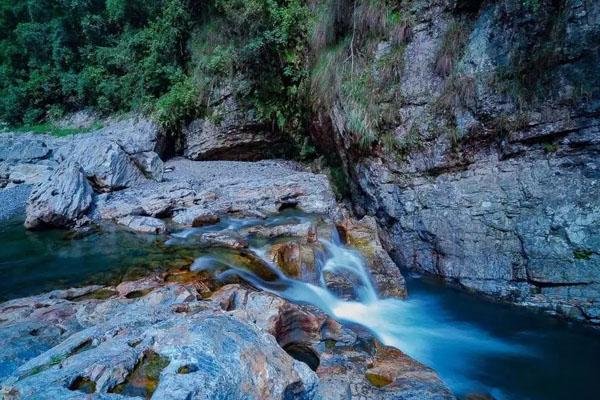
(476, 346)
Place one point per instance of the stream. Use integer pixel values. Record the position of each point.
(474, 345)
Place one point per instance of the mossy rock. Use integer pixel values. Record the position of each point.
(378, 380)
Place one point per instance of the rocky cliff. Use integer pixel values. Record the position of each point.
(484, 170)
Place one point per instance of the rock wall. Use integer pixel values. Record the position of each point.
(492, 178)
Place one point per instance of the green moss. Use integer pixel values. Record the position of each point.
(144, 379)
(54, 130)
(377, 380)
(550, 147)
(582, 254)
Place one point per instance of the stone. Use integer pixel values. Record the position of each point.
(23, 148)
(29, 174)
(106, 164)
(300, 230)
(196, 216)
(214, 189)
(61, 200)
(237, 136)
(150, 164)
(134, 134)
(144, 224)
(363, 235)
(287, 257)
(160, 337)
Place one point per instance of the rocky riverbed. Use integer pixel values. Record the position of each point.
(182, 334)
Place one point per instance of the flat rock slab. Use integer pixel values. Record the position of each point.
(196, 189)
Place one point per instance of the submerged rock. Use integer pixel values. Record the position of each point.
(60, 201)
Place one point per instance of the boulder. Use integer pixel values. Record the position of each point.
(30, 174)
(61, 201)
(363, 235)
(134, 134)
(288, 257)
(23, 148)
(106, 164)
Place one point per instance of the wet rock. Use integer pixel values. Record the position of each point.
(222, 239)
(61, 200)
(196, 216)
(144, 224)
(363, 235)
(287, 256)
(170, 345)
(289, 230)
(392, 368)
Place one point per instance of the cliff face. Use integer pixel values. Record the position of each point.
(487, 173)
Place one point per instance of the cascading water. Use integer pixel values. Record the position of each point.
(408, 325)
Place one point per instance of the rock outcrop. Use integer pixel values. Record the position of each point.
(195, 190)
(232, 132)
(151, 338)
(487, 173)
(60, 201)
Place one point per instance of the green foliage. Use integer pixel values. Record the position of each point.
(363, 85)
(64, 55)
(54, 130)
(180, 102)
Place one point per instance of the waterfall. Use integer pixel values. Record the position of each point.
(418, 326)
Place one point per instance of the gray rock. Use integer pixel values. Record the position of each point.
(496, 188)
(218, 188)
(22, 148)
(61, 200)
(144, 224)
(150, 164)
(106, 164)
(134, 134)
(30, 174)
(237, 136)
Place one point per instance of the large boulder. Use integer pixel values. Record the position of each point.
(105, 163)
(61, 200)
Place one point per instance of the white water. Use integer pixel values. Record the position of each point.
(418, 326)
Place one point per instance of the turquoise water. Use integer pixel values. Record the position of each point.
(475, 346)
